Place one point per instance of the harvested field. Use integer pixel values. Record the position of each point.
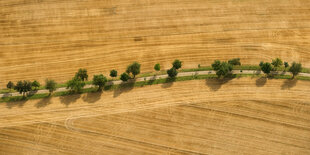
(53, 38)
(239, 116)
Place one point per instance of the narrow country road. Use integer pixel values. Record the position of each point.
(182, 74)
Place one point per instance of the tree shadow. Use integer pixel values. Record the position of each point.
(68, 99)
(289, 83)
(260, 82)
(168, 82)
(12, 104)
(216, 83)
(44, 102)
(124, 87)
(92, 97)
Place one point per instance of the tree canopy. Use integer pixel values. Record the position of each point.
(177, 64)
(172, 72)
(295, 68)
(82, 74)
(134, 69)
(99, 80)
(113, 73)
(50, 85)
(76, 84)
(235, 61)
(266, 67)
(124, 77)
(157, 67)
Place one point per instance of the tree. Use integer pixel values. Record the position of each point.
(286, 65)
(177, 64)
(50, 85)
(224, 69)
(76, 84)
(261, 64)
(23, 87)
(35, 84)
(124, 77)
(266, 67)
(295, 68)
(277, 62)
(82, 74)
(113, 73)
(134, 69)
(10, 85)
(172, 72)
(99, 80)
(234, 62)
(157, 67)
(216, 65)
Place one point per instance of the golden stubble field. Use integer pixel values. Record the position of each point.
(239, 116)
(42, 39)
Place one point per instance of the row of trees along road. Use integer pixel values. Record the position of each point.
(77, 83)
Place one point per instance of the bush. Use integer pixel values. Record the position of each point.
(82, 74)
(157, 67)
(286, 64)
(172, 72)
(277, 62)
(10, 85)
(124, 77)
(36, 84)
(234, 62)
(134, 69)
(177, 64)
(113, 73)
(50, 85)
(99, 80)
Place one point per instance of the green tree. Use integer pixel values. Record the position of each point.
(172, 72)
(36, 84)
(124, 77)
(134, 69)
(266, 68)
(99, 80)
(261, 64)
(286, 65)
(216, 65)
(277, 63)
(23, 87)
(235, 61)
(295, 68)
(50, 85)
(177, 64)
(224, 69)
(82, 74)
(75, 85)
(113, 73)
(157, 67)
(10, 85)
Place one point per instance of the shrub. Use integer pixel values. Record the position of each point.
(36, 84)
(124, 77)
(10, 85)
(277, 62)
(177, 64)
(157, 67)
(113, 73)
(266, 68)
(172, 72)
(286, 64)
(234, 62)
(82, 74)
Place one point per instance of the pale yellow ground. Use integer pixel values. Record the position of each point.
(240, 116)
(42, 39)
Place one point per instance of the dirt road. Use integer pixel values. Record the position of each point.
(240, 116)
(54, 38)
